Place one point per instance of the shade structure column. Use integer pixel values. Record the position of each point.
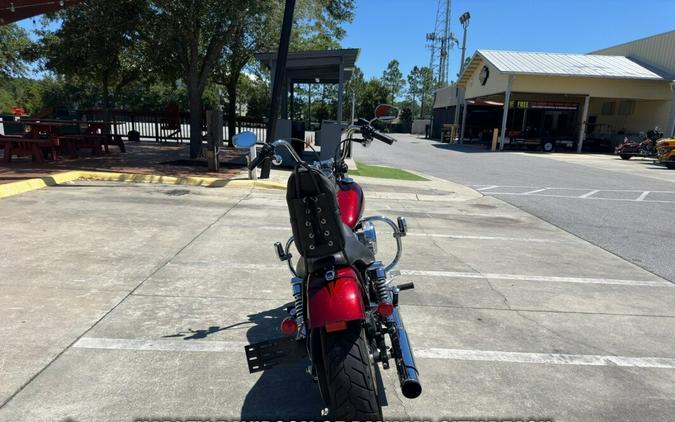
(341, 88)
(464, 111)
(584, 123)
(505, 116)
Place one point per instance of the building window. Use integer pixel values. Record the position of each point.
(608, 108)
(626, 108)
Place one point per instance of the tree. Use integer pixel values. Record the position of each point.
(252, 35)
(317, 24)
(354, 89)
(185, 39)
(393, 80)
(426, 79)
(414, 87)
(373, 94)
(97, 42)
(13, 43)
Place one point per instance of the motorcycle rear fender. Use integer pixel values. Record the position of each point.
(337, 300)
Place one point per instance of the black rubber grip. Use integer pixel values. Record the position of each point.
(384, 138)
(406, 286)
(255, 163)
(266, 151)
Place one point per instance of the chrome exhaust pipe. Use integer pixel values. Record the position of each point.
(403, 356)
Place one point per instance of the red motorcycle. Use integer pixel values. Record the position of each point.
(345, 305)
(645, 147)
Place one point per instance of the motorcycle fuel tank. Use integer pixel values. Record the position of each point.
(351, 202)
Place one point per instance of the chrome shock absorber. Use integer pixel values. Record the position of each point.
(378, 276)
(296, 285)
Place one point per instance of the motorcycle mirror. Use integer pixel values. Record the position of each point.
(244, 140)
(386, 112)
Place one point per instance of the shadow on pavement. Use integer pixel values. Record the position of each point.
(468, 149)
(281, 393)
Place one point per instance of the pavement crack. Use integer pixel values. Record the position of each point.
(403, 405)
(487, 280)
(563, 337)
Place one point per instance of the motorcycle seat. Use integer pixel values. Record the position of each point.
(355, 254)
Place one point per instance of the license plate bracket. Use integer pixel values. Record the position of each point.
(270, 353)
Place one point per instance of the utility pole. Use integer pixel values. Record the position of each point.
(445, 46)
(279, 79)
(440, 42)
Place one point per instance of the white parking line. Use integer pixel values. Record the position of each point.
(459, 236)
(459, 274)
(215, 346)
(162, 345)
(589, 194)
(643, 195)
(535, 191)
(588, 198)
(579, 188)
(520, 277)
(546, 358)
(416, 234)
(487, 188)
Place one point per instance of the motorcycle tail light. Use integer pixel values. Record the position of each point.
(289, 326)
(335, 326)
(385, 309)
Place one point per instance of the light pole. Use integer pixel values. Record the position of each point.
(464, 20)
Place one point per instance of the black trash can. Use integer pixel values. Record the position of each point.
(134, 136)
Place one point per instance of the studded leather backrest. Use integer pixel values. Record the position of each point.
(314, 213)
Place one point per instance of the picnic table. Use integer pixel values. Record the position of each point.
(44, 137)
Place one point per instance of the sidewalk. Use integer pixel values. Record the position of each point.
(165, 159)
(134, 301)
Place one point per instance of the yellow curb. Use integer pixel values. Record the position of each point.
(23, 186)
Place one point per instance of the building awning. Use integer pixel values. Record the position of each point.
(16, 10)
(560, 64)
(315, 66)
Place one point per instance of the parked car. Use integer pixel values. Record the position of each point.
(665, 149)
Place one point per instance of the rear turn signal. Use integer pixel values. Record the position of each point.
(335, 326)
(289, 326)
(385, 309)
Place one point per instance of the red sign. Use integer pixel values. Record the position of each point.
(554, 105)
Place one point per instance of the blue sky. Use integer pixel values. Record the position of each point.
(388, 29)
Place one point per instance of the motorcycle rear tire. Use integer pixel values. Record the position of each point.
(350, 375)
(625, 156)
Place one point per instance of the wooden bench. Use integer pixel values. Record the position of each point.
(114, 140)
(35, 148)
(72, 144)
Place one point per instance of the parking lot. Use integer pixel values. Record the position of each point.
(126, 301)
(624, 207)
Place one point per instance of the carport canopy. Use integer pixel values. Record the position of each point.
(504, 75)
(16, 10)
(315, 67)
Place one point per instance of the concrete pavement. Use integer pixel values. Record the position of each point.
(124, 301)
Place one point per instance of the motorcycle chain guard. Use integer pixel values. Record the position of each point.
(271, 353)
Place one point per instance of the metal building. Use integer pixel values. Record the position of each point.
(569, 97)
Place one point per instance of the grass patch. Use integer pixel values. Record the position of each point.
(385, 173)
